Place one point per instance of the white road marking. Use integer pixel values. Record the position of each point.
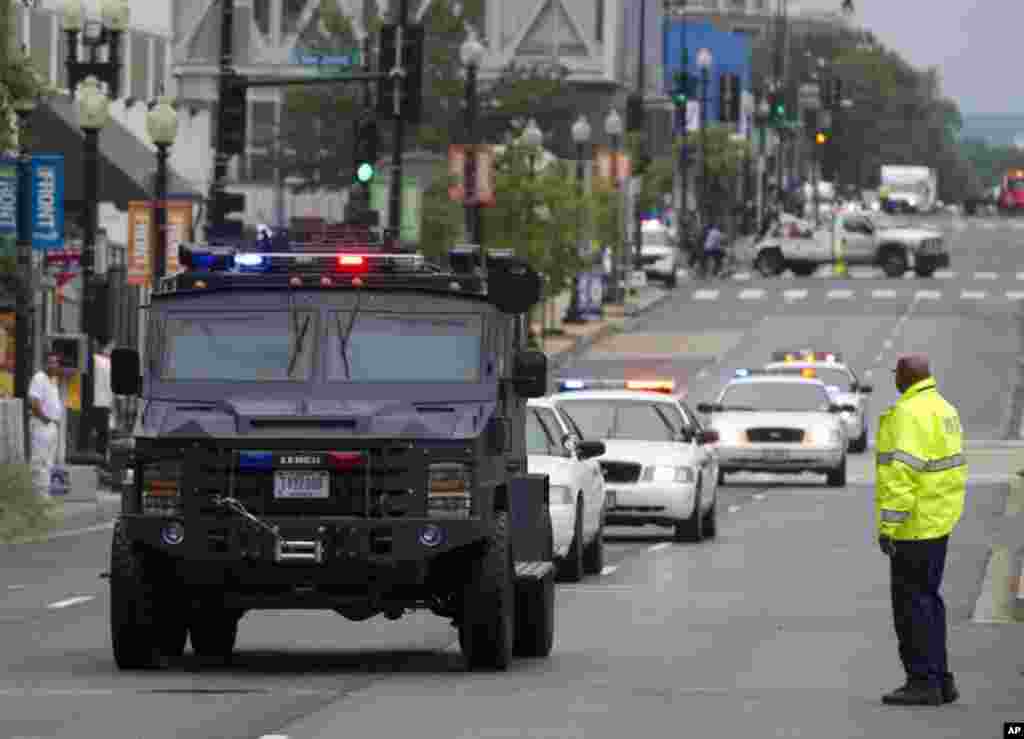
(794, 294)
(988, 226)
(658, 547)
(1015, 295)
(887, 344)
(868, 373)
(878, 358)
(944, 274)
(274, 736)
(609, 569)
(751, 293)
(702, 374)
(1020, 275)
(758, 496)
(876, 294)
(733, 508)
(839, 295)
(986, 275)
(928, 295)
(16, 587)
(74, 601)
(742, 276)
(972, 294)
(706, 295)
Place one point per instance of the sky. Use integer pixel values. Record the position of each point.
(974, 43)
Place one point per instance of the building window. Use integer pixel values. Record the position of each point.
(599, 21)
(292, 14)
(261, 15)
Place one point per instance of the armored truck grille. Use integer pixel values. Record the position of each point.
(775, 435)
(620, 472)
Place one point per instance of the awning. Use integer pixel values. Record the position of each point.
(126, 165)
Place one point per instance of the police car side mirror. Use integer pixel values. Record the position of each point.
(125, 372)
(590, 449)
(531, 374)
(708, 436)
(866, 389)
(705, 407)
(847, 409)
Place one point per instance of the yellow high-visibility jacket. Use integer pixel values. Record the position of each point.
(920, 470)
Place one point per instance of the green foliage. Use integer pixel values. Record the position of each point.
(990, 162)
(23, 514)
(18, 78)
(725, 159)
(442, 217)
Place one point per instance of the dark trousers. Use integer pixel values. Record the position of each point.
(919, 613)
(100, 425)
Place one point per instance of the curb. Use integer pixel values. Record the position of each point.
(584, 343)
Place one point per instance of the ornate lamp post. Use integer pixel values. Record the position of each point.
(581, 137)
(613, 127)
(704, 61)
(472, 55)
(162, 127)
(93, 114)
(114, 15)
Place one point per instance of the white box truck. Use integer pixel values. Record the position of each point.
(909, 189)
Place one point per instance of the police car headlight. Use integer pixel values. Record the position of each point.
(823, 436)
(668, 474)
(731, 437)
(561, 495)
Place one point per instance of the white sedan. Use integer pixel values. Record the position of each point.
(577, 501)
(660, 466)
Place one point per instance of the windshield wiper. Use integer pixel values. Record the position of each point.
(343, 338)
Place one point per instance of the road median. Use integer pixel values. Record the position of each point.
(1002, 593)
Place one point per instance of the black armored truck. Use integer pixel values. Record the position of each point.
(335, 429)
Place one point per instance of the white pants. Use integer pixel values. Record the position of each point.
(43, 441)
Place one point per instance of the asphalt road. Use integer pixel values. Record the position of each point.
(780, 627)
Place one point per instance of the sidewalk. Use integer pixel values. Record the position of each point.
(1002, 592)
(577, 338)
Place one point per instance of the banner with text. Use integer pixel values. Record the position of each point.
(179, 230)
(47, 201)
(140, 241)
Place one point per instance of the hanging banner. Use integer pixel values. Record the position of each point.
(613, 165)
(484, 183)
(8, 207)
(457, 172)
(8, 352)
(179, 230)
(47, 201)
(140, 237)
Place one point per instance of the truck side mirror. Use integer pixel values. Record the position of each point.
(705, 408)
(590, 449)
(531, 374)
(125, 372)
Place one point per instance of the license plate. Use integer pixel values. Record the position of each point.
(316, 485)
(609, 497)
(776, 453)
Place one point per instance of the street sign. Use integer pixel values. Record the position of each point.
(47, 201)
(704, 57)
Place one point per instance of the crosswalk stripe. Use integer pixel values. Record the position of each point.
(944, 274)
(986, 276)
(883, 294)
(972, 294)
(751, 294)
(839, 294)
(794, 294)
(741, 276)
(706, 295)
(1020, 275)
(1015, 294)
(928, 295)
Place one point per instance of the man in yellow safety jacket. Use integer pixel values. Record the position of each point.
(921, 480)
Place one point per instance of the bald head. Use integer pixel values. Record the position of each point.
(911, 369)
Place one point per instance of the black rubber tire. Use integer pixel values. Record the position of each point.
(214, 633)
(837, 477)
(570, 568)
(134, 631)
(535, 617)
(769, 263)
(711, 522)
(803, 270)
(894, 262)
(721, 477)
(672, 281)
(924, 271)
(860, 444)
(691, 530)
(487, 627)
(175, 636)
(593, 553)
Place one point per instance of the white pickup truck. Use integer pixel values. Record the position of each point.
(795, 244)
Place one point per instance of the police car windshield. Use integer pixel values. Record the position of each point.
(390, 347)
(775, 396)
(624, 419)
(239, 347)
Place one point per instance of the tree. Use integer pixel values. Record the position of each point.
(18, 78)
(725, 158)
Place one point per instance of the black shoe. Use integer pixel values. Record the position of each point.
(914, 694)
(949, 692)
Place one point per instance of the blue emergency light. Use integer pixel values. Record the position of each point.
(255, 461)
(651, 386)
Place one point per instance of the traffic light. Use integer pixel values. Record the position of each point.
(778, 107)
(233, 115)
(681, 89)
(820, 138)
(364, 154)
(411, 86)
(835, 92)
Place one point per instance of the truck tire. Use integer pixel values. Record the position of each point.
(570, 569)
(134, 631)
(893, 261)
(769, 263)
(535, 617)
(487, 626)
(860, 444)
(802, 269)
(214, 633)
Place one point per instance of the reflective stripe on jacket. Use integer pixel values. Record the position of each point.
(920, 470)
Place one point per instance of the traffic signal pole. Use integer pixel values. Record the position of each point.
(221, 157)
(398, 142)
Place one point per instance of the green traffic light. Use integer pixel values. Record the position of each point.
(365, 172)
(679, 99)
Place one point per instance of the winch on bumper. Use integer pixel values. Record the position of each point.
(779, 458)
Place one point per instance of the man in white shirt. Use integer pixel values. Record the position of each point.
(102, 398)
(46, 410)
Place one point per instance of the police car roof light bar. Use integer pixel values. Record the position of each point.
(651, 386)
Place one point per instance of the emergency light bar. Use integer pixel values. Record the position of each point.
(805, 355)
(210, 259)
(808, 372)
(652, 386)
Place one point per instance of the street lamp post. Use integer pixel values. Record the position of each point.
(581, 137)
(704, 61)
(533, 138)
(114, 15)
(162, 127)
(764, 111)
(93, 114)
(613, 127)
(472, 54)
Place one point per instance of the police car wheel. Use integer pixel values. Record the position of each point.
(593, 553)
(134, 630)
(487, 626)
(691, 529)
(570, 569)
(711, 522)
(860, 444)
(837, 477)
(214, 633)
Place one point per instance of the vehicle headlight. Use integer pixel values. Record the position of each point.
(561, 495)
(449, 490)
(823, 436)
(731, 437)
(668, 474)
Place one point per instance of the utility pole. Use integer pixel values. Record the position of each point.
(398, 74)
(221, 157)
(781, 53)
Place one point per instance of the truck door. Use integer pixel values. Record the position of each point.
(858, 233)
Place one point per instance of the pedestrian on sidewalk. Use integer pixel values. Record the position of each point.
(714, 252)
(47, 411)
(921, 482)
(103, 398)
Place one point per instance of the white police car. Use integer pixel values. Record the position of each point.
(771, 422)
(659, 465)
(577, 502)
(840, 381)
